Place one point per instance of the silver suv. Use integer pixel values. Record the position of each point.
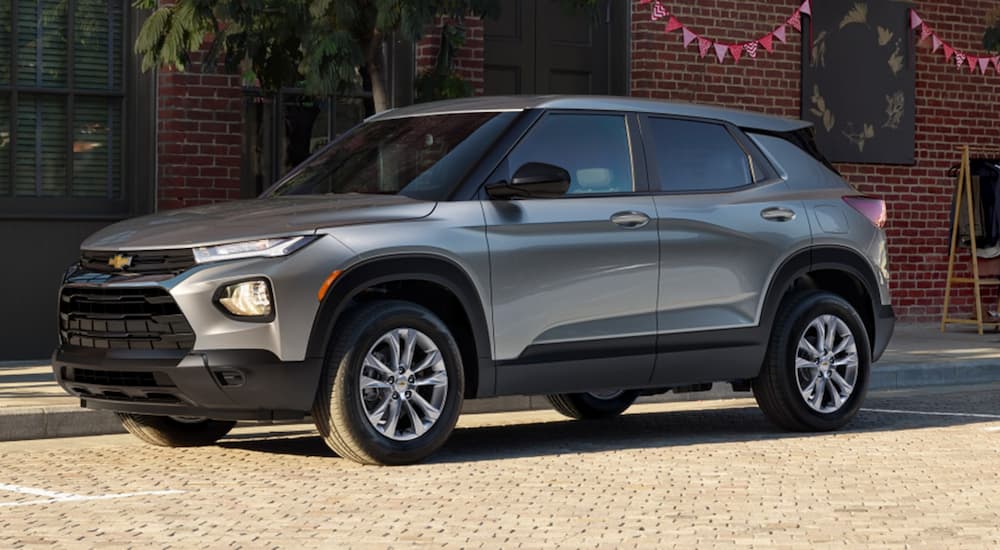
(590, 249)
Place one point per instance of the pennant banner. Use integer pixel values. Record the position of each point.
(722, 51)
(951, 55)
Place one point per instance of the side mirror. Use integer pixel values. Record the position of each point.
(534, 180)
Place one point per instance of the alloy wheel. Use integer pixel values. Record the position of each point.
(826, 364)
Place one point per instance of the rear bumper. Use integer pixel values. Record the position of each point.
(885, 324)
(224, 385)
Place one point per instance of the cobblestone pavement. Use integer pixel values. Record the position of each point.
(916, 469)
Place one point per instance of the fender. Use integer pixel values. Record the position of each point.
(433, 269)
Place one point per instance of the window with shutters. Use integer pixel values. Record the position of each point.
(62, 100)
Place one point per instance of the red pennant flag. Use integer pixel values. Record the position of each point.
(736, 50)
(767, 42)
(704, 45)
(984, 63)
(720, 52)
(915, 20)
(959, 59)
(935, 42)
(806, 7)
(688, 36)
(948, 51)
(996, 63)
(925, 32)
(751, 49)
(973, 61)
(673, 24)
(779, 33)
(659, 12)
(795, 21)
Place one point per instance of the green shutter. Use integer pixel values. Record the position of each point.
(41, 146)
(5, 15)
(97, 148)
(98, 44)
(4, 145)
(42, 45)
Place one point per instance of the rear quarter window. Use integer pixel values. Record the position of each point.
(696, 156)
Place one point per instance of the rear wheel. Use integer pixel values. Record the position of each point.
(816, 372)
(584, 406)
(392, 386)
(175, 431)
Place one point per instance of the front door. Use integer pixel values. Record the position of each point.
(574, 279)
(543, 47)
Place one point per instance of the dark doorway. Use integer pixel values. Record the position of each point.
(543, 47)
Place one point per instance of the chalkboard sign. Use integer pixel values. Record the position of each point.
(858, 80)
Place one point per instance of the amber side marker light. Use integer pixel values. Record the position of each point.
(326, 285)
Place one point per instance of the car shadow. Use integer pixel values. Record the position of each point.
(633, 431)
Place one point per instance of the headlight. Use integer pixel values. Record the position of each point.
(263, 248)
(251, 299)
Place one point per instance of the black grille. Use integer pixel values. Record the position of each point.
(114, 378)
(143, 261)
(123, 318)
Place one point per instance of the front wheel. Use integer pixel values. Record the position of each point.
(171, 431)
(588, 406)
(392, 385)
(818, 363)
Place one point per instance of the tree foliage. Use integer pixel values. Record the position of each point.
(324, 46)
(991, 38)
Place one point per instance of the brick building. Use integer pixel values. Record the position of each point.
(83, 147)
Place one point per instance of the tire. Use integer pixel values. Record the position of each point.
(357, 423)
(792, 367)
(165, 431)
(590, 406)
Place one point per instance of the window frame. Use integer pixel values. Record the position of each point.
(634, 135)
(137, 99)
(758, 174)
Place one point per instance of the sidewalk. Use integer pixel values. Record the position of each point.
(33, 406)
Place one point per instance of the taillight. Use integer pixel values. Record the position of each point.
(871, 208)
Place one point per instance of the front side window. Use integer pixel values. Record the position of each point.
(695, 156)
(593, 148)
(420, 157)
(61, 98)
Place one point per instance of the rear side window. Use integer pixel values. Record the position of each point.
(697, 156)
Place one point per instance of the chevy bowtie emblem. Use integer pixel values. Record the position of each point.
(119, 261)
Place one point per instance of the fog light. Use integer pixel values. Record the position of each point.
(247, 299)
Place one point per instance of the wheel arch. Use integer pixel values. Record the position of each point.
(835, 269)
(440, 284)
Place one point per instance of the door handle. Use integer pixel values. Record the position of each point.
(777, 214)
(630, 220)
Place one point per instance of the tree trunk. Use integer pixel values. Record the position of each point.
(375, 72)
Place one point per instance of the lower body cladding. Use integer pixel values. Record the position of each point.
(223, 385)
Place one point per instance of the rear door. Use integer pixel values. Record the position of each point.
(574, 279)
(726, 223)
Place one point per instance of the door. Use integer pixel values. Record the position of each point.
(574, 279)
(543, 47)
(726, 224)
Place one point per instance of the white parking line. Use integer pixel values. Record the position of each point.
(931, 413)
(54, 497)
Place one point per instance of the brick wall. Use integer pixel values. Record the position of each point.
(468, 60)
(199, 132)
(953, 108)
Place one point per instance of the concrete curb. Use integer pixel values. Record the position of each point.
(21, 423)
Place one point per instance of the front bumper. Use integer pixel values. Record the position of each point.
(219, 384)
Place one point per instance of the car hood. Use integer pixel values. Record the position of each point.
(253, 219)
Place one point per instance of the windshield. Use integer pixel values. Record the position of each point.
(420, 157)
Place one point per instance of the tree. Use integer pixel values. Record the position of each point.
(324, 46)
